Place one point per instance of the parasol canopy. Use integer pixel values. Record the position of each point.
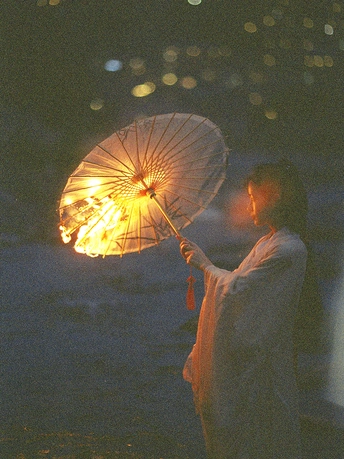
(143, 184)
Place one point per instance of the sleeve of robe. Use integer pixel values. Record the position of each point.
(245, 314)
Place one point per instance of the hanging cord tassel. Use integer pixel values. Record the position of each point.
(190, 295)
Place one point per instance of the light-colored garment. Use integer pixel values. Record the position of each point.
(241, 367)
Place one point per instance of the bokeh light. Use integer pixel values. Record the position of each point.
(271, 114)
(169, 79)
(255, 98)
(308, 23)
(328, 29)
(269, 60)
(97, 104)
(269, 21)
(193, 51)
(194, 2)
(250, 27)
(188, 82)
(142, 90)
(113, 65)
(171, 54)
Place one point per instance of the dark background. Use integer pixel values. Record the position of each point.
(52, 68)
(93, 349)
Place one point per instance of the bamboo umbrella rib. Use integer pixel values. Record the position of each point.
(162, 160)
(197, 158)
(127, 153)
(172, 137)
(137, 146)
(144, 162)
(163, 154)
(190, 144)
(121, 171)
(126, 232)
(116, 158)
(163, 134)
(119, 189)
(188, 188)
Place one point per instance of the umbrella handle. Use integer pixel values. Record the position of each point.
(151, 193)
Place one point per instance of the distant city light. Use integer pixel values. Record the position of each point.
(250, 27)
(97, 104)
(269, 60)
(271, 114)
(188, 82)
(328, 61)
(113, 65)
(142, 90)
(255, 98)
(170, 55)
(269, 21)
(193, 51)
(169, 79)
(308, 23)
(328, 29)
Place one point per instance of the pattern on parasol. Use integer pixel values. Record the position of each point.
(143, 184)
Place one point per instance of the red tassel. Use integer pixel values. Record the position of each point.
(190, 296)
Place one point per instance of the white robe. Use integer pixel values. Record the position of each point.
(241, 367)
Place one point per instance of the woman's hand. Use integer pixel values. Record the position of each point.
(193, 255)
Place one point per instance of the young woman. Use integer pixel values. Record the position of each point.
(242, 365)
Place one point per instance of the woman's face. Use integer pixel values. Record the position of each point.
(262, 202)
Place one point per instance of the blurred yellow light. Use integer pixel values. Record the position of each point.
(308, 23)
(309, 61)
(269, 21)
(328, 61)
(54, 2)
(255, 98)
(250, 27)
(318, 61)
(188, 82)
(97, 104)
(269, 60)
(271, 114)
(169, 79)
(170, 55)
(142, 90)
(193, 51)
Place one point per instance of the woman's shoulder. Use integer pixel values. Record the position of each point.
(288, 242)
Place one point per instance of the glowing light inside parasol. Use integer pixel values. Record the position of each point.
(96, 234)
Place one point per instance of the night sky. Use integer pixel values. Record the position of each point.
(269, 73)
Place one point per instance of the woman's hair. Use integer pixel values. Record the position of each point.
(291, 211)
(292, 206)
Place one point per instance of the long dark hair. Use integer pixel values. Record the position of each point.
(292, 207)
(291, 211)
